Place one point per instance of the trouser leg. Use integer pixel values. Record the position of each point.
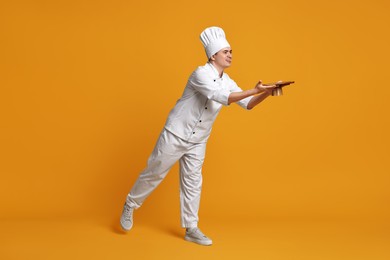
(165, 153)
(191, 185)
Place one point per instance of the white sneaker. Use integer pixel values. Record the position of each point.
(127, 217)
(196, 236)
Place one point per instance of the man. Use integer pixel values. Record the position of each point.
(186, 132)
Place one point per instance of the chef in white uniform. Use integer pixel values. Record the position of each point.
(187, 130)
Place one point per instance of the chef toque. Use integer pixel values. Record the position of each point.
(213, 40)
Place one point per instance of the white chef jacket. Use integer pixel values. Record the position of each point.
(193, 116)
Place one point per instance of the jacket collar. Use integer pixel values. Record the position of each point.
(215, 71)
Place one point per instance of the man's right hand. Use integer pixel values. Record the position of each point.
(264, 88)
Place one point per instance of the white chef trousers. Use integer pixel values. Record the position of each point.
(167, 151)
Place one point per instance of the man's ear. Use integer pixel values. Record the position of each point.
(212, 57)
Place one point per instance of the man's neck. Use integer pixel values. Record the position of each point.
(218, 68)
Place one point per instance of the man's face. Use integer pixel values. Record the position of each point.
(223, 58)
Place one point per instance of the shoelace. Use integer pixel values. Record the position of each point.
(199, 232)
(128, 213)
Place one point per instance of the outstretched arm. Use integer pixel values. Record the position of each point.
(264, 92)
(257, 99)
(237, 96)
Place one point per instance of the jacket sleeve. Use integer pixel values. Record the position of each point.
(204, 84)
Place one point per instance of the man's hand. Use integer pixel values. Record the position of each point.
(265, 88)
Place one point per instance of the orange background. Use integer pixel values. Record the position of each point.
(86, 87)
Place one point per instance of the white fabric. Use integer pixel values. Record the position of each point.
(168, 150)
(213, 40)
(184, 139)
(193, 116)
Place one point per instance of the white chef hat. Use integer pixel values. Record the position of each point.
(213, 40)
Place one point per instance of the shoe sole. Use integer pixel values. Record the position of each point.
(199, 242)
